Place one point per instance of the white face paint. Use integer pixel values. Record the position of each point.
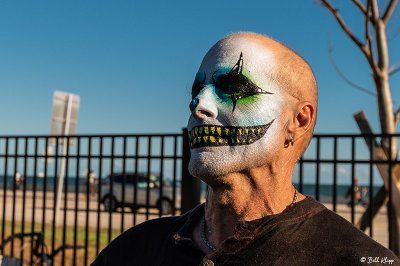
(239, 109)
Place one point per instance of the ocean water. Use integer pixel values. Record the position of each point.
(49, 181)
(325, 190)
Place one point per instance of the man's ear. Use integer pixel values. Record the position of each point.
(303, 120)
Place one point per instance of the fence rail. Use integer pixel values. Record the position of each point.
(139, 177)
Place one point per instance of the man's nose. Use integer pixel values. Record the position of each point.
(204, 105)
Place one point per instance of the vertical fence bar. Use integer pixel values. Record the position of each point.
(77, 173)
(44, 189)
(174, 177)
(390, 203)
(64, 236)
(161, 211)
(135, 181)
(334, 173)
(353, 151)
(24, 194)
(55, 194)
(111, 188)
(3, 220)
(148, 177)
(317, 170)
(99, 195)
(89, 180)
(34, 195)
(371, 184)
(124, 178)
(14, 194)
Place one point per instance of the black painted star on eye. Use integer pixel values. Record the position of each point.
(236, 85)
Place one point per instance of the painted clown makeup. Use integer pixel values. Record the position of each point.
(202, 136)
(236, 109)
(236, 86)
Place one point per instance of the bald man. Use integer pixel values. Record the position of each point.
(254, 105)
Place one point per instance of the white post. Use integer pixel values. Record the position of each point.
(63, 160)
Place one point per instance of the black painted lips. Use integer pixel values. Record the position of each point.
(212, 135)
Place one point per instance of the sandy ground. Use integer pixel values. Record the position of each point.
(122, 220)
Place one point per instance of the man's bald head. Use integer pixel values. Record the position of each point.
(281, 65)
(291, 71)
(251, 96)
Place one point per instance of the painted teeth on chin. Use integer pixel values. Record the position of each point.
(212, 135)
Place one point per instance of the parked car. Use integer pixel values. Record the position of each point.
(112, 200)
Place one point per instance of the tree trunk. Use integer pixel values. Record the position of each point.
(381, 78)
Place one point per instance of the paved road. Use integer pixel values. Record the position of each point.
(124, 220)
(30, 208)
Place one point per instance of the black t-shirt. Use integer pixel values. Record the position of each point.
(305, 234)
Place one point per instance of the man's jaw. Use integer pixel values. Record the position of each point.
(213, 135)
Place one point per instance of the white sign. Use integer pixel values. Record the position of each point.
(64, 117)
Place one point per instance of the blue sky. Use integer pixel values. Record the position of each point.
(133, 62)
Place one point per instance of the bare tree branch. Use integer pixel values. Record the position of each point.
(363, 47)
(330, 50)
(381, 44)
(360, 5)
(393, 67)
(368, 36)
(382, 6)
(397, 115)
(342, 24)
(389, 10)
(394, 71)
(366, 25)
(375, 11)
(318, 3)
(394, 18)
(394, 34)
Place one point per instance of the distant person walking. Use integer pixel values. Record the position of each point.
(18, 180)
(359, 193)
(92, 184)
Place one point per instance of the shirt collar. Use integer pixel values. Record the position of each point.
(184, 233)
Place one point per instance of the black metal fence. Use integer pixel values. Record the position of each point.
(355, 170)
(112, 182)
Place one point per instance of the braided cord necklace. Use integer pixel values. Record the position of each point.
(203, 224)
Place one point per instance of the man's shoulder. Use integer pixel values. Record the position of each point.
(156, 228)
(140, 243)
(322, 237)
(344, 238)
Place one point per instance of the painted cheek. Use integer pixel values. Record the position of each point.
(255, 110)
